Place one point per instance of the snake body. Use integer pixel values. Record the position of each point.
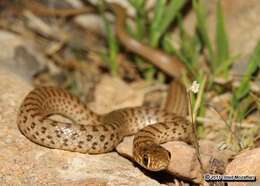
(93, 134)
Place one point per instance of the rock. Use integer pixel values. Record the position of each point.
(20, 56)
(25, 163)
(246, 163)
(181, 152)
(109, 96)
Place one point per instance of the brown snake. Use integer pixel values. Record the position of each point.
(93, 134)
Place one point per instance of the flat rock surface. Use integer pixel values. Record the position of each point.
(25, 163)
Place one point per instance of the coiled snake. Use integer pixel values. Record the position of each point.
(92, 133)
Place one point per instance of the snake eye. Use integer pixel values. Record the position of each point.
(145, 160)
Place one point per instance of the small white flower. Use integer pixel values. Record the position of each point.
(194, 87)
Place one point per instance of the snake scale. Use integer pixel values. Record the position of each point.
(93, 134)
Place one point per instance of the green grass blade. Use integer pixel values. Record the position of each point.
(139, 18)
(189, 46)
(155, 25)
(200, 12)
(137, 4)
(112, 42)
(244, 87)
(164, 16)
(222, 46)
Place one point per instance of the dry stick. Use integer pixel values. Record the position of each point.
(195, 140)
(43, 10)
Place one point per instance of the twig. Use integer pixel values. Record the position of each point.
(42, 10)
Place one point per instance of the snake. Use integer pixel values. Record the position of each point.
(92, 133)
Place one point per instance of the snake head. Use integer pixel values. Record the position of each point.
(153, 157)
